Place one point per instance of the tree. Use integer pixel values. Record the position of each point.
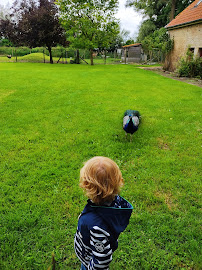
(8, 30)
(146, 28)
(89, 23)
(34, 23)
(158, 13)
(5, 42)
(119, 39)
(4, 13)
(172, 11)
(159, 40)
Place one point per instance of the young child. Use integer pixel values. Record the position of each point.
(104, 217)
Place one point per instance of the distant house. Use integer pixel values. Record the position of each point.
(133, 53)
(186, 30)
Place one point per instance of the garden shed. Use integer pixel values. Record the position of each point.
(186, 31)
(133, 53)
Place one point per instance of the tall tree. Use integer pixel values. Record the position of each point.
(146, 28)
(158, 12)
(159, 39)
(89, 22)
(172, 11)
(34, 23)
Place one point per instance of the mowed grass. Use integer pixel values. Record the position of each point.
(55, 117)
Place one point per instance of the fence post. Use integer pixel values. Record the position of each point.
(16, 58)
(105, 61)
(125, 55)
(66, 56)
(44, 56)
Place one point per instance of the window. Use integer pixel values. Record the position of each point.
(200, 52)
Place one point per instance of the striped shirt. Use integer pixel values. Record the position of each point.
(99, 254)
(98, 230)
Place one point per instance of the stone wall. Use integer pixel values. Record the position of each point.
(185, 37)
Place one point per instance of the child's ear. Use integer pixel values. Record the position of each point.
(122, 181)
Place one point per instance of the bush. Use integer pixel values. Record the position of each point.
(20, 51)
(5, 42)
(5, 50)
(190, 66)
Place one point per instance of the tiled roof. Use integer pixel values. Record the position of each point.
(131, 45)
(191, 14)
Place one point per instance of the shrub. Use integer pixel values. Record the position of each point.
(20, 51)
(158, 41)
(190, 66)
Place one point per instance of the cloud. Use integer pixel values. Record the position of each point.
(129, 19)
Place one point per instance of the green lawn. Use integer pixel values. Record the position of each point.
(55, 117)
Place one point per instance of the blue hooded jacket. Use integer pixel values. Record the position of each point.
(98, 230)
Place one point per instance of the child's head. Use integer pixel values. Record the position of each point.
(101, 179)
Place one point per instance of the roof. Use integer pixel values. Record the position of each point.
(191, 14)
(132, 45)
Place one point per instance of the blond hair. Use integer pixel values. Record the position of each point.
(101, 179)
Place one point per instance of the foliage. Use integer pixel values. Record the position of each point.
(146, 28)
(89, 24)
(117, 43)
(130, 41)
(51, 124)
(190, 66)
(34, 23)
(8, 30)
(5, 42)
(21, 51)
(159, 39)
(158, 13)
(121, 39)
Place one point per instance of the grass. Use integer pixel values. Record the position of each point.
(55, 117)
(39, 58)
(33, 57)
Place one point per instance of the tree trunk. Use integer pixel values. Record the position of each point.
(91, 57)
(125, 55)
(172, 12)
(65, 56)
(16, 57)
(77, 57)
(168, 63)
(50, 53)
(44, 56)
(105, 56)
(150, 56)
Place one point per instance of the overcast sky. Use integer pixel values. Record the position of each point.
(130, 20)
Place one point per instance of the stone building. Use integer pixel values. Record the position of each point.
(186, 30)
(133, 53)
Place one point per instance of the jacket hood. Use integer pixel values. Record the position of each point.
(116, 215)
